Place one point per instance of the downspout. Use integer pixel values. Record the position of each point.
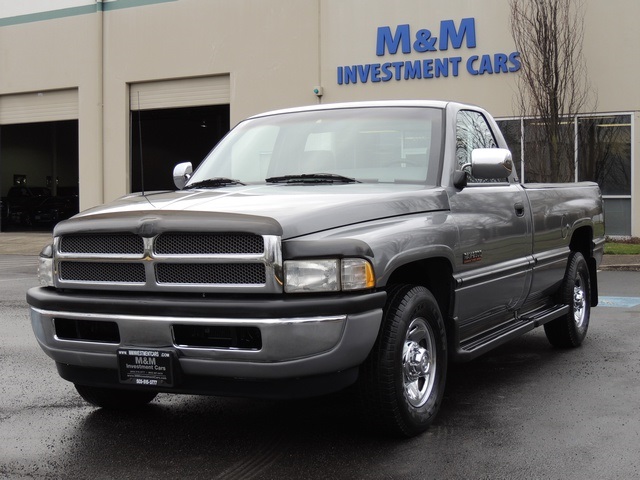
(320, 48)
(100, 12)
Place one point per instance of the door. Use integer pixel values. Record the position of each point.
(493, 256)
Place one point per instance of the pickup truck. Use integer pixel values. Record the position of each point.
(357, 245)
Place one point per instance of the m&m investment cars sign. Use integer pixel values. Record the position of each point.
(426, 43)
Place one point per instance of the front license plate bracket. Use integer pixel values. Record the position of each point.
(146, 367)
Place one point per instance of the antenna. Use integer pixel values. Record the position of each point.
(140, 141)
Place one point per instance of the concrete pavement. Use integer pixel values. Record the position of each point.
(23, 243)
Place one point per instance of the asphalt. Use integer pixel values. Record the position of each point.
(31, 243)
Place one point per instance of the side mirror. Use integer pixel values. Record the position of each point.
(182, 174)
(491, 163)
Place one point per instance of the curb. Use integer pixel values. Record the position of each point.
(620, 268)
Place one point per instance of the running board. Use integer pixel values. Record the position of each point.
(518, 326)
(541, 317)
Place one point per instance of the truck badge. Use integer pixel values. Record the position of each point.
(470, 257)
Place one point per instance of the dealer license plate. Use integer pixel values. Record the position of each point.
(145, 367)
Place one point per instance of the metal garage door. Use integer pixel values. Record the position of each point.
(37, 107)
(188, 92)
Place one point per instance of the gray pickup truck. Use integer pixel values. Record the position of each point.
(360, 245)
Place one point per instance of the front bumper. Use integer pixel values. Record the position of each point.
(301, 337)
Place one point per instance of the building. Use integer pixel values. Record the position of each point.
(84, 82)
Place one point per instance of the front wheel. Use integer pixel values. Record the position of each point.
(402, 382)
(571, 329)
(116, 399)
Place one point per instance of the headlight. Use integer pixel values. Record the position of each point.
(327, 275)
(45, 266)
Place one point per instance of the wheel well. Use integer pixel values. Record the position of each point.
(582, 241)
(436, 274)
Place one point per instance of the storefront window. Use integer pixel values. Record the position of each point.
(549, 151)
(512, 133)
(603, 156)
(604, 152)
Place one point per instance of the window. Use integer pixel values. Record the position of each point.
(372, 145)
(603, 155)
(512, 133)
(472, 131)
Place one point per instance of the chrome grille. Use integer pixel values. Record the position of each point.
(108, 244)
(102, 272)
(170, 262)
(206, 244)
(211, 273)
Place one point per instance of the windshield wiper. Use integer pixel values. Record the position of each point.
(312, 178)
(214, 182)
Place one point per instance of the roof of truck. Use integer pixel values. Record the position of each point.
(367, 104)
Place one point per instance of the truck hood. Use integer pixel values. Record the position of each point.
(286, 210)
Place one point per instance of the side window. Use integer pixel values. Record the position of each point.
(472, 131)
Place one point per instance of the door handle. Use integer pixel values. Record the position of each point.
(519, 208)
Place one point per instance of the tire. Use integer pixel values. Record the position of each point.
(570, 330)
(402, 382)
(115, 399)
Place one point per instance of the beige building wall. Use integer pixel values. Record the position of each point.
(62, 54)
(274, 53)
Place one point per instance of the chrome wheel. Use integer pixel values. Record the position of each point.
(579, 302)
(401, 384)
(571, 329)
(418, 362)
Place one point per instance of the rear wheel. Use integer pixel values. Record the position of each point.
(113, 398)
(571, 329)
(402, 382)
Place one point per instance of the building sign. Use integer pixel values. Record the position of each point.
(401, 41)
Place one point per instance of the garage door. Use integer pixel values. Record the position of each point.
(188, 92)
(47, 106)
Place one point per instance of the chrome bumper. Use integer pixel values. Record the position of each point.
(291, 347)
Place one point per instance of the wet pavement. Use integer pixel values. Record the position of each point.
(523, 411)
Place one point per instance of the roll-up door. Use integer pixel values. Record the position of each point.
(187, 92)
(35, 107)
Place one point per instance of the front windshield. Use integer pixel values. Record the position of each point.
(368, 144)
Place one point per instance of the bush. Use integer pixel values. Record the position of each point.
(624, 240)
(622, 246)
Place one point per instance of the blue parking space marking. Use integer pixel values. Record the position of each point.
(620, 302)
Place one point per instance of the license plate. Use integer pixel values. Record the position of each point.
(144, 367)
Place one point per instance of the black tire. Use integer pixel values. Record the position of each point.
(402, 383)
(115, 399)
(570, 330)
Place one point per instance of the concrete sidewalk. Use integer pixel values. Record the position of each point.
(31, 243)
(23, 243)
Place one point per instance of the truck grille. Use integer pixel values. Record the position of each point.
(169, 262)
(102, 272)
(182, 244)
(110, 244)
(216, 273)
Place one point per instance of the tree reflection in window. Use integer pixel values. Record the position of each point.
(472, 131)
